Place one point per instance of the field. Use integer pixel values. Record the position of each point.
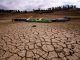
(45, 41)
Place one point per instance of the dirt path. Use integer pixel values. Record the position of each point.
(46, 41)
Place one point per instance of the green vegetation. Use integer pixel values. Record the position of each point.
(42, 21)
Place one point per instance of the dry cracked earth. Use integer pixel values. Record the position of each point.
(45, 41)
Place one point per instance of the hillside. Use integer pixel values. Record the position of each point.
(69, 12)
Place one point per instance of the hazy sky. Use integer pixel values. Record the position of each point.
(34, 4)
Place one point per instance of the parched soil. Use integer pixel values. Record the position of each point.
(39, 41)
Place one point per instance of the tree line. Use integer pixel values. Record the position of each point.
(12, 11)
(49, 10)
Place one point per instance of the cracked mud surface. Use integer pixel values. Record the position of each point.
(21, 41)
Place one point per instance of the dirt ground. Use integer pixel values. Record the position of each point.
(46, 41)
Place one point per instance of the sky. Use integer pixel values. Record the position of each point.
(35, 4)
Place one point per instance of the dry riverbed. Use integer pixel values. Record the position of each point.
(45, 41)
